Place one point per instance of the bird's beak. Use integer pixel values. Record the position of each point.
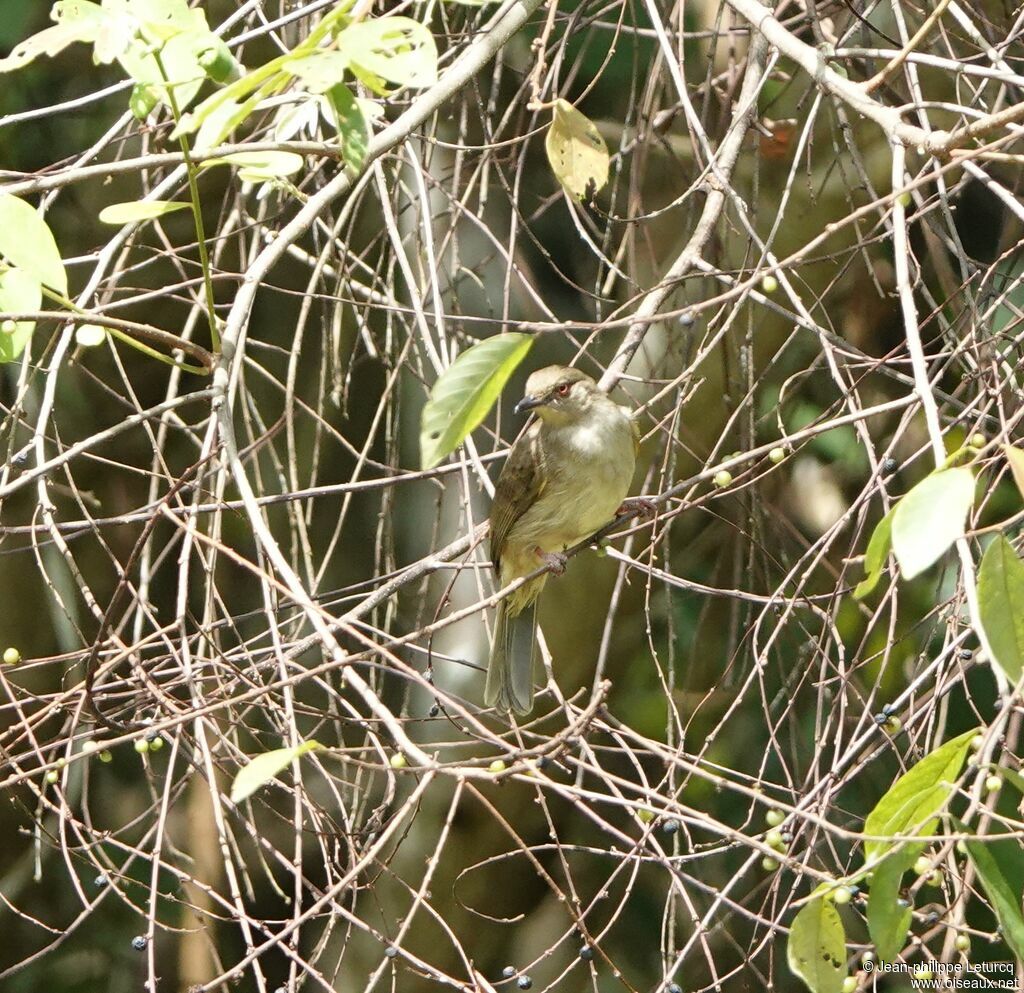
(528, 403)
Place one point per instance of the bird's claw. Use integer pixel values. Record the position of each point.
(555, 561)
(637, 507)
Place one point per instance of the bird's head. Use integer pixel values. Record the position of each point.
(558, 394)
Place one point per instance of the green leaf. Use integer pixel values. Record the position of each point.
(1001, 605)
(77, 20)
(261, 769)
(576, 151)
(353, 128)
(875, 556)
(139, 210)
(930, 518)
(817, 947)
(465, 393)
(888, 922)
(26, 242)
(911, 803)
(397, 49)
(19, 293)
(178, 63)
(256, 167)
(319, 71)
(1005, 903)
(1015, 456)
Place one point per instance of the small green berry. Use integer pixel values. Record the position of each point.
(963, 943)
(923, 865)
(904, 199)
(9, 326)
(850, 984)
(978, 440)
(11, 656)
(141, 746)
(398, 761)
(105, 756)
(722, 478)
(976, 742)
(52, 776)
(993, 784)
(774, 817)
(893, 725)
(776, 455)
(773, 839)
(934, 878)
(961, 847)
(769, 284)
(842, 896)
(769, 864)
(497, 766)
(923, 973)
(156, 744)
(645, 816)
(89, 747)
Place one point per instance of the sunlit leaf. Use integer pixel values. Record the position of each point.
(576, 151)
(888, 921)
(876, 555)
(261, 769)
(930, 518)
(319, 71)
(1015, 456)
(817, 947)
(1001, 605)
(465, 393)
(1003, 899)
(139, 210)
(26, 242)
(258, 166)
(49, 41)
(178, 64)
(396, 49)
(90, 335)
(20, 293)
(912, 802)
(353, 128)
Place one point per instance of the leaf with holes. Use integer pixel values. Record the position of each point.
(319, 71)
(77, 20)
(465, 393)
(576, 151)
(27, 242)
(1001, 605)
(20, 293)
(351, 124)
(139, 210)
(261, 769)
(888, 919)
(931, 518)
(817, 947)
(398, 50)
(912, 802)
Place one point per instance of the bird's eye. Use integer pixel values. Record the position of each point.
(563, 389)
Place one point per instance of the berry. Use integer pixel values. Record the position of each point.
(963, 943)
(893, 725)
(524, 982)
(923, 973)
(645, 816)
(434, 710)
(391, 951)
(773, 839)
(156, 744)
(976, 742)
(508, 972)
(993, 784)
(497, 766)
(11, 656)
(398, 761)
(849, 984)
(904, 199)
(52, 776)
(141, 746)
(139, 942)
(774, 817)
(769, 284)
(671, 826)
(687, 319)
(934, 878)
(889, 466)
(923, 865)
(769, 864)
(776, 455)
(722, 478)
(587, 953)
(674, 988)
(966, 655)
(978, 440)
(842, 896)
(105, 756)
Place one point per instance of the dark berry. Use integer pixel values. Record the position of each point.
(391, 951)
(889, 466)
(543, 762)
(139, 942)
(687, 319)
(587, 953)
(524, 982)
(887, 709)
(670, 826)
(100, 881)
(434, 710)
(966, 654)
(881, 718)
(674, 988)
(508, 972)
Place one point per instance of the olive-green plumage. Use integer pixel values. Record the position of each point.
(564, 479)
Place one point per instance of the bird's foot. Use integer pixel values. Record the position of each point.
(555, 561)
(637, 507)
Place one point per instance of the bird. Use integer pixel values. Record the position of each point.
(565, 477)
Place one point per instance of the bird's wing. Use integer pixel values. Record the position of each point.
(520, 483)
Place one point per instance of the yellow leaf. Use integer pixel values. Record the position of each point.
(576, 151)
(1015, 457)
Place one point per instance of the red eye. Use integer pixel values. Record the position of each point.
(563, 389)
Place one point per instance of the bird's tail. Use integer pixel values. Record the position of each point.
(510, 669)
